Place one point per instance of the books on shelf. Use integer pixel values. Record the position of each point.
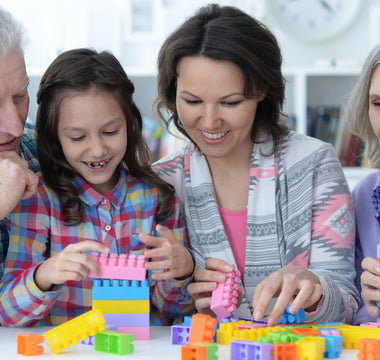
(326, 123)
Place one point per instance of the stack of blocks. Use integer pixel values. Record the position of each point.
(121, 293)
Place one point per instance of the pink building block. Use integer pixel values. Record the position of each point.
(123, 267)
(139, 332)
(224, 297)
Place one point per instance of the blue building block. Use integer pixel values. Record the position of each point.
(289, 318)
(120, 290)
(180, 334)
(187, 320)
(241, 349)
(334, 345)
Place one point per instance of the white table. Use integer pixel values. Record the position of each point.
(159, 347)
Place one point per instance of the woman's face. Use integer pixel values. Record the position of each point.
(374, 102)
(212, 107)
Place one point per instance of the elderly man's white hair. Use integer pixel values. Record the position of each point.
(11, 33)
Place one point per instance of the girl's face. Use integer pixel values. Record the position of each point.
(212, 107)
(92, 130)
(374, 102)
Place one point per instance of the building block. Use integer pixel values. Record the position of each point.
(286, 351)
(180, 334)
(74, 330)
(328, 331)
(311, 348)
(122, 268)
(241, 349)
(289, 318)
(368, 349)
(120, 290)
(139, 332)
(187, 320)
(193, 352)
(352, 334)
(127, 319)
(371, 324)
(334, 345)
(89, 341)
(29, 344)
(122, 306)
(202, 329)
(308, 331)
(224, 297)
(113, 342)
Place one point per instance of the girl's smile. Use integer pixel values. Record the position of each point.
(92, 130)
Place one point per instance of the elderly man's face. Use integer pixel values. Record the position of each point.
(14, 100)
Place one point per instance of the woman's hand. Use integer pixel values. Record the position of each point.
(290, 284)
(370, 282)
(168, 254)
(206, 281)
(72, 263)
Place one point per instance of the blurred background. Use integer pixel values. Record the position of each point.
(320, 71)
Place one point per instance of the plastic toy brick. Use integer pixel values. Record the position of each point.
(127, 319)
(193, 352)
(120, 290)
(334, 345)
(308, 331)
(286, 351)
(180, 334)
(29, 344)
(89, 341)
(187, 320)
(241, 349)
(122, 306)
(289, 318)
(123, 267)
(74, 330)
(371, 324)
(311, 348)
(369, 349)
(202, 329)
(139, 332)
(113, 342)
(224, 297)
(254, 334)
(352, 334)
(328, 331)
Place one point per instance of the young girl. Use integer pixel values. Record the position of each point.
(97, 192)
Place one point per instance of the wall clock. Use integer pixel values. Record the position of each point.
(313, 20)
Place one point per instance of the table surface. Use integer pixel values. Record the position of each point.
(159, 347)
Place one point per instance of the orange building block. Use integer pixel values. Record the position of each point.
(193, 352)
(287, 351)
(202, 329)
(308, 331)
(369, 349)
(29, 344)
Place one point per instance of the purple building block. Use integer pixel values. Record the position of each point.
(127, 319)
(241, 349)
(180, 334)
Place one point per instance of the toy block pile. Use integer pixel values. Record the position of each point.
(121, 293)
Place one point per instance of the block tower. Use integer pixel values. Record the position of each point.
(121, 293)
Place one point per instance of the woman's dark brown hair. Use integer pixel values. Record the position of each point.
(226, 33)
(77, 71)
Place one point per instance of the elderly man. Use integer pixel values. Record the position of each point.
(18, 157)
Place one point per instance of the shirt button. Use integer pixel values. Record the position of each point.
(108, 227)
(104, 201)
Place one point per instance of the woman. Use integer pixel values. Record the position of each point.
(254, 195)
(363, 117)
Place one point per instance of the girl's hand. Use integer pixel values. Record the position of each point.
(168, 254)
(290, 284)
(206, 281)
(72, 263)
(370, 282)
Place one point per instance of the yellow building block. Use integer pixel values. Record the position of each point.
(311, 348)
(122, 306)
(352, 334)
(70, 332)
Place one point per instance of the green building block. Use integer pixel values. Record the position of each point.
(114, 342)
